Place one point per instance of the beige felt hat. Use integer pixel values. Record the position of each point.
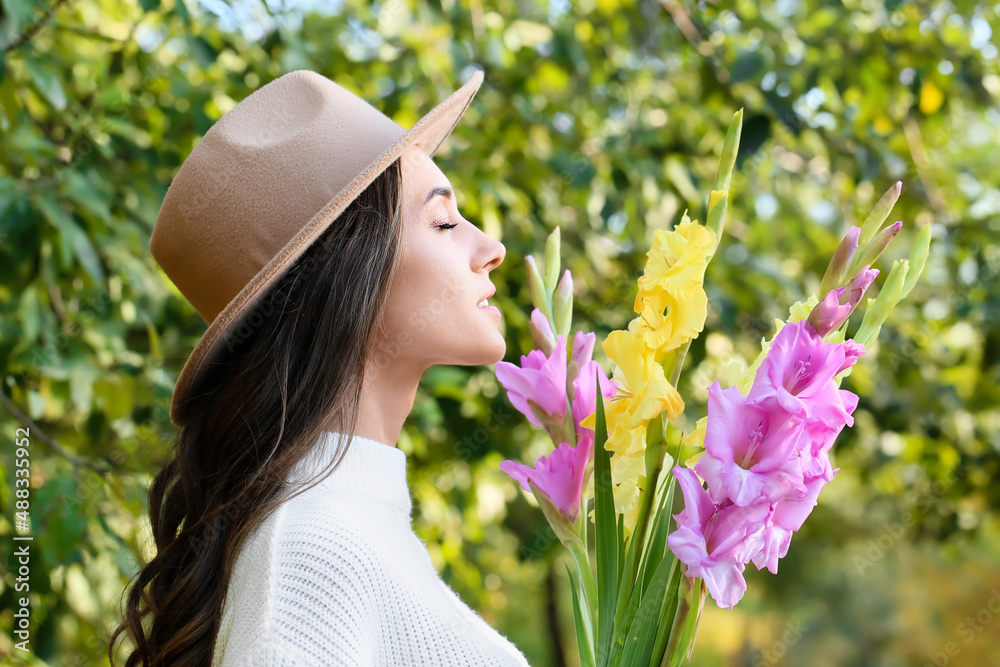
(264, 183)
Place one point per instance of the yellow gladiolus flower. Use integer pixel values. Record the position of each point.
(626, 470)
(629, 519)
(640, 378)
(696, 438)
(676, 262)
(667, 322)
(623, 438)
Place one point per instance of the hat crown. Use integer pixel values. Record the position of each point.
(257, 177)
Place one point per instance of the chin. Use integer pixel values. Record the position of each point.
(491, 351)
(500, 351)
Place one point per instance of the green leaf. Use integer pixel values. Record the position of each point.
(630, 572)
(657, 545)
(641, 636)
(623, 624)
(607, 537)
(72, 239)
(747, 64)
(620, 532)
(582, 645)
(667, 611)
(654, 548)
(79, 189)
(46, 81)
(18, 12)
(626, 577)
(30, 308)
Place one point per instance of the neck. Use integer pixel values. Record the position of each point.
(387, 396)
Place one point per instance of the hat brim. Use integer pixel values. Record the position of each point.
(428, 133)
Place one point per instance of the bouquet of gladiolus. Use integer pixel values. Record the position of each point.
(762, 448)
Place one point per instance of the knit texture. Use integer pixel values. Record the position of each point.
(337, 576)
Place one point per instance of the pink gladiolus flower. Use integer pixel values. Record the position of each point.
(799, 369)
(766, 459)
(539, 378)
(583, 348)
(559, 475)
(749, 449)
(585, 396)
(815, 460)
(785, 518)
(712, 541)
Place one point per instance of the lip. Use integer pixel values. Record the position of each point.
(493, 290)
(492, 309)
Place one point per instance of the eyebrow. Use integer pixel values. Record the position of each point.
(444, 192)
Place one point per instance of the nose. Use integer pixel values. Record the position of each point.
(493, 252)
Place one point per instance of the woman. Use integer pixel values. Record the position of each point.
(326, 250)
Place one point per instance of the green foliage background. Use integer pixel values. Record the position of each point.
(604, 118)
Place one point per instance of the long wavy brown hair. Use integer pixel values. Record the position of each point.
(277, 387)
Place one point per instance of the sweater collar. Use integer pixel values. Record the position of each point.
(370, 469)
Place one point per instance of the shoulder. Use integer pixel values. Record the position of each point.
(325, 536)
(321, 575)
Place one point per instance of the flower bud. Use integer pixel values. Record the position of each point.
(878, 310)
(539, 297)
(730, 147)
(541, 332)
(874, 221)
(563, 526)
(552, 245)
(918, 256)
(858, 286)
(562, 304)
(829, 313)
(878, 245)
(715, 220)
(837, 268)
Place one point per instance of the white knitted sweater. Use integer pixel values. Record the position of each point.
(336, 576)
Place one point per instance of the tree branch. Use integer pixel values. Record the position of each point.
(33, 29)
(47, 440)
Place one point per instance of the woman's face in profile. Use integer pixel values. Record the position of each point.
(432, 315)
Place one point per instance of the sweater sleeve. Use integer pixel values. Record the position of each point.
(263, 652)
(326, 593)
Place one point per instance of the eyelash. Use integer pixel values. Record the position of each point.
(443, 224)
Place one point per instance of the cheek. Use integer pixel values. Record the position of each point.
(423, 306)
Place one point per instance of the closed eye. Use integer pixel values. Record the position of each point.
(444, 224)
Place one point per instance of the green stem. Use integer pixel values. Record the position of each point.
(675, 372)
(582, 560)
